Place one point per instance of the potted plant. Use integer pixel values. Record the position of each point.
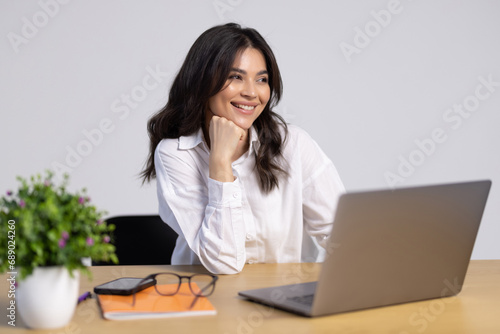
(46, 231)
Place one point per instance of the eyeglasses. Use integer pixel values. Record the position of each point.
(169, 284)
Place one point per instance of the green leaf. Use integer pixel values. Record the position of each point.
(42, 210)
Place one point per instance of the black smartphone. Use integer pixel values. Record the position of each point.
(123, 286)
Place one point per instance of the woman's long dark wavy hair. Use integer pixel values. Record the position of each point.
(203, 74)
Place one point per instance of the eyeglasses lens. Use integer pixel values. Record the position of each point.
(200, 284)
(167, 284)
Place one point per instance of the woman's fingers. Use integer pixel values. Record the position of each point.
(224, 136)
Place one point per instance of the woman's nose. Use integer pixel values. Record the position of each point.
(249, 90)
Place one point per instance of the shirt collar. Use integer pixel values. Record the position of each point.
(191, 141)
(195, 139)
(254, 140)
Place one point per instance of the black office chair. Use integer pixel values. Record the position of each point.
(141, 240)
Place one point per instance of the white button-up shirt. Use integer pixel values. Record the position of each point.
(224, 225)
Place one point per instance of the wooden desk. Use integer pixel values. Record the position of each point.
(475, 310)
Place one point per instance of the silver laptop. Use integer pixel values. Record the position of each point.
(389, 247)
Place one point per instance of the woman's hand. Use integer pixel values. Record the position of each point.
(227, 143)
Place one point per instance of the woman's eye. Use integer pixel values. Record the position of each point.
(234, 76)
(265, 80)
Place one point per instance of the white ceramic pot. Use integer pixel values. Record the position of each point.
(48, 297)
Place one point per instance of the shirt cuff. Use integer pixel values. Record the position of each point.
(224, 193)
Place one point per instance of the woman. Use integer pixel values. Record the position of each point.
(234, 181)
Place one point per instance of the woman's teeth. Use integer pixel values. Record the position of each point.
(244, 107)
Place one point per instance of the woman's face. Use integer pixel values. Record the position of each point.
(246, 91)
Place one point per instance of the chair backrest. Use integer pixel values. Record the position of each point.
(141, 240)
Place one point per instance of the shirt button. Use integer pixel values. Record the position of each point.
(251, 261)
(235, 195)
(249, 237)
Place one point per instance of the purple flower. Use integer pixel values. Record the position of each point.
(90, 241)
(106, 239)
(65, 235)
(22, 203)
(9, 192)
(81, 200)
(62, 243)
(99, 222)
(47, 183)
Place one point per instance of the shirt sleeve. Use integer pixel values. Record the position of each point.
(207, 214)
(321, 189)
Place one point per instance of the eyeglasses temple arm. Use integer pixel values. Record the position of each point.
(211, 285)
(194, 301)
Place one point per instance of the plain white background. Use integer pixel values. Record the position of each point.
(393, 91)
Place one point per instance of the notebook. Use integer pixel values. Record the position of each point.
(149, 304)
(389, 247)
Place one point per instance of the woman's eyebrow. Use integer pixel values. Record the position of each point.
(239, 70)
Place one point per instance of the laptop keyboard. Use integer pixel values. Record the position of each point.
(306, 299)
